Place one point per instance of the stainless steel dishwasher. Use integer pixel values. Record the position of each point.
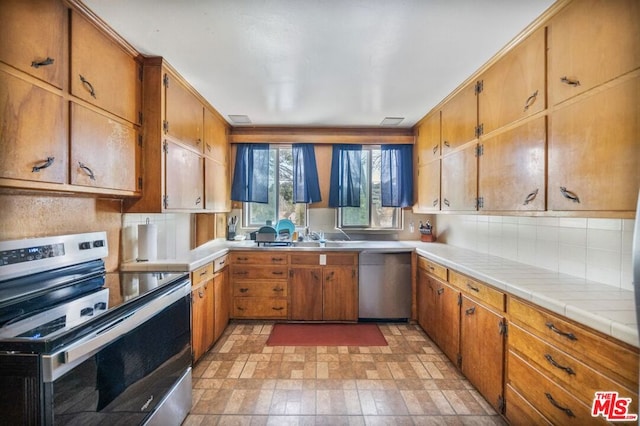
(384, 286)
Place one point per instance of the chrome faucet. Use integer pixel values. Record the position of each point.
(344, 233)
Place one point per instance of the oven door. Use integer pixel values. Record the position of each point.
(123, 371)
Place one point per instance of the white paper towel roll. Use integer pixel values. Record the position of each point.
(147, 242)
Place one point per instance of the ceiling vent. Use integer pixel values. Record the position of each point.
(391, 121)
(239, 119)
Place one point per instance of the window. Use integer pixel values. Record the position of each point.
(280, 205)
(370, 214)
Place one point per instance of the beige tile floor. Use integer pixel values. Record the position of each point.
(241, 381)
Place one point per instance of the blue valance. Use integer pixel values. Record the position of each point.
(251, 174)
(396, 175)
(306, 188)
(346, 175)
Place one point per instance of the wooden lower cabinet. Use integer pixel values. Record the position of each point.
(519, 411)
(340, 293)
(202, 319)
(260, 307)
(305, 294)
(222, 302)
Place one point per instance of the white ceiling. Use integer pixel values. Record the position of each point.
(321, 62)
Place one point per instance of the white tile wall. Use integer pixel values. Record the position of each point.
(174, 234)
(596, 249)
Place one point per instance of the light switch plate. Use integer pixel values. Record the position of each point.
(323, 259)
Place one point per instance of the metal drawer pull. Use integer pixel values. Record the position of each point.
(44, 166)
(553, 328)
(38, 64)
(200, 294)
(569, 195)
(446, 202)
(198, 200)
(447, 144)
(203, 273)
(278, 308)
(470, 311)
(87, 170)
(570, 82)
(476, 289)
(553, 402)
(240, 273)
(277, 272)
(278, 289)
(240, 308)
(435, 202)
(435, 149)
(440, 291)
(277, 259)
(530, 197)
(244, 290)
(243, 258)
(88, 86)
(553, 362)
(530, 100)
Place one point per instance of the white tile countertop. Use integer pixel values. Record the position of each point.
(602, 307)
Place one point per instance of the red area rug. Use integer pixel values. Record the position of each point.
(326, 335)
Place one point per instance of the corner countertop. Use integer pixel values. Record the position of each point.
(607, 309)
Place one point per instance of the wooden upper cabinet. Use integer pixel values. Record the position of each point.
(102, 72)
(184, 118)
(216, 143)
(428, 187)
(594, 146)
(217, 190)
(514, 87)
(459, 119)
(103, 151)
(34, 38)
(459, 190)
(512, 169)
(184, 182)
(33, 133)
(428, 139)
(590, 43)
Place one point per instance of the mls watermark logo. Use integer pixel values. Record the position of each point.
(612, 407)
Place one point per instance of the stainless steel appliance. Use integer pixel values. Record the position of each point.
(81, 346)
(384, 286)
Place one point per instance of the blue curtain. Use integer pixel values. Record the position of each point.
(306, 188)
(397, 175)
(251, 175)
(346, 174)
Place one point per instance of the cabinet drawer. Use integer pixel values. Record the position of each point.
(201, 274)
(551, 400)
(519, 412)
(220, 263)
(253, 258)
(478, 290)
(564, 369)
(258, 272)
(432, 268)
(313, 259)
(260, 289)
(615, 359)
(259, 307)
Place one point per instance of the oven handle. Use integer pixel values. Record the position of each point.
(59, 363)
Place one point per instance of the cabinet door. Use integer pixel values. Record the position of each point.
(32, 132)
(209, 315)
(447, 318)
(514, 87)
(216, 144)
(103, 151)
(340, 294)
(198, 312)
(424, 302)
(428, 139)
(305, 289)
(482, 349)
(33, 38)
(428, 187)
(184, 181)
(512, 169)
(593, 151)
(217, 193)
(585, 52)
(459, 119)
(102, 73)
(222, 302)
(184, 114)
(459, 189)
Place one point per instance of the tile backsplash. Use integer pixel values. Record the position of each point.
(595, 249)
(174, 234)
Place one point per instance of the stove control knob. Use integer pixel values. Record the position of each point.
(98, 243)
(86, 312)
(100, 306)
(85, 245)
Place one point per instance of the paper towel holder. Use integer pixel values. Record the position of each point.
(149, 243)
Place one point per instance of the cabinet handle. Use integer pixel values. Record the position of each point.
(277, 272)
(198, 141)
(553, 402)
(244, 290)
(553, 328)
(330, 276)
(570, 81)
(435, 202)
(279, 308)
(88, 86)
(38, 64)
(278, 289)
(470, 311)
(240, 308)
(435, 149)
(203, 273)
(200, 294)
(569, 195)
(277, 259)
(315, 276)
(530, 100)
(222, 263)
(553, 362)
(446, 202)
(44, 166)
(208, 147)
(242, 259)
(198, 200)
(476, 289)
(447, 144)
(440, 291)
(530, 197)
(87, 170)
(240, 273)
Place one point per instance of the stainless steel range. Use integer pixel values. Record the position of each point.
(82, 346)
